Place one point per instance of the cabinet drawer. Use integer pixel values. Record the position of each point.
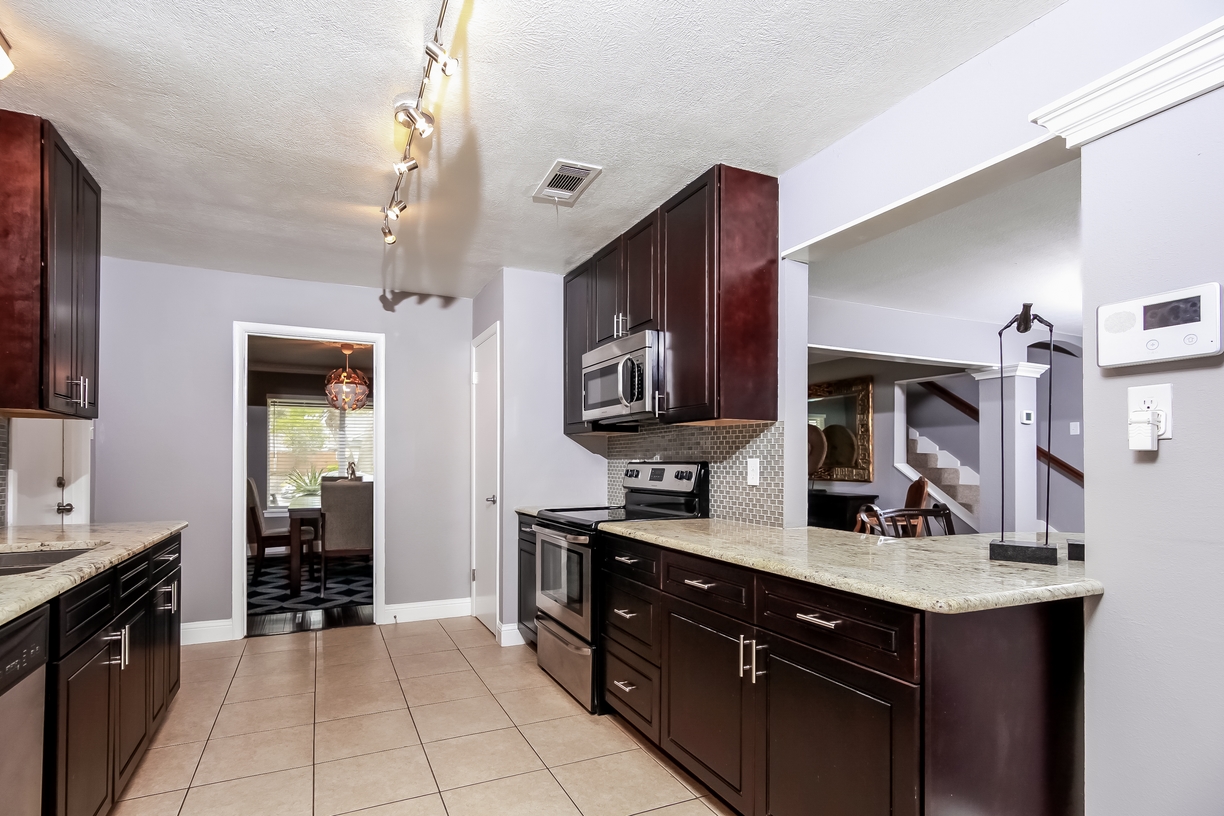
(525, 533)
(132, 580)
(80, 612)
(632, 617)
(166, 557)
(638, 562)
(631, 687)
(721, 587)
(870, 633)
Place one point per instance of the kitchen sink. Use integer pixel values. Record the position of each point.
(16, 563)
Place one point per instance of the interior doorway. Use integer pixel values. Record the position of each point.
(309, 493)
(486, 476)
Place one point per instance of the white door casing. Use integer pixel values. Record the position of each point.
(486, 476)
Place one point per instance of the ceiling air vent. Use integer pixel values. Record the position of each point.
(565, 182)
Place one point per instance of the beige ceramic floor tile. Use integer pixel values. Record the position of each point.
(212, 651)
(460, 624)
(372, 779)
(355, 674)
(298, 641)
(620, 784)
(276, 663)
(717, 805)
(536, 704)
(211, 670)
(161, 804)
(367, 734)
(264, 715)
(470, 638)
(480, 758)
(288, 793)
(420, 644)
(164, 769)
(409, 628)
(353, 701)
(438, 688)
(203, 693)
(263, 686)
(253, 754)
(459, 718)
(499, 655)
(430, 805)
(573, 739)
(422, 665)
(533, 794)
(348, 636)
(693, 807)
(513, 677)
(357, 653)
(188, 720)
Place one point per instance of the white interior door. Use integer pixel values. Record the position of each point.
(42, 450)
(486, 472)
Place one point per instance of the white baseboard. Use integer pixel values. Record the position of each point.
(208, 631)
(510, 635)
(425, 610)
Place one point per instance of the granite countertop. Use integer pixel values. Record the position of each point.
(109, 544)
(946, 574)
(529, 510)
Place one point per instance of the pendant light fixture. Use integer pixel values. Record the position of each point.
(347, 389)
(413, 115)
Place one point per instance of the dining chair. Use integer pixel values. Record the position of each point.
(906, 522)
(261, 536)
(348, 522)
(915, 499)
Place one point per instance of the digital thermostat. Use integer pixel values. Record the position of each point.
(1169, 326)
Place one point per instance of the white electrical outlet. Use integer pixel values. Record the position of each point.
(1153, 398)
(754, 471)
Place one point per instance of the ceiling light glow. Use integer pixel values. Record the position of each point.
(6, 63)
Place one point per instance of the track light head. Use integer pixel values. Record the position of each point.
(406, 166)
(437, 53)
(388, 235)
(410, 116)
(393, 210)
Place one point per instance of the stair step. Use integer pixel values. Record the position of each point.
(911, 445)
(965, 493)
(923, 461)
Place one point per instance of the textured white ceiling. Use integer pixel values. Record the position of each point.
(256, 135)
(979, 261)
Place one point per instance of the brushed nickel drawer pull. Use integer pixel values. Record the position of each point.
(623, 685)
(698, 584)
(625, 613)
(813, 619)
(625, 560)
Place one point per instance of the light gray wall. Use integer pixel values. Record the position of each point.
(1153, 195)
(1066, 496)
(164, 438)
(944, 425)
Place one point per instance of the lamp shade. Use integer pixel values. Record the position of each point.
(347, 389)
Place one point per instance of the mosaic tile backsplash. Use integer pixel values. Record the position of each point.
(4, 460)
(728, 449)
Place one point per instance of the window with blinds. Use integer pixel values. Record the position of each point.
(308, 438)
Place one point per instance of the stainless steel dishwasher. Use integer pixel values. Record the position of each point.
(23, 688)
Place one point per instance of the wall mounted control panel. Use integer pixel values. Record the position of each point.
(1170, 326)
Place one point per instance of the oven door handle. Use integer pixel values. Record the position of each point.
(559, 536)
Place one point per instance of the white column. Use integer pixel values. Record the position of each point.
(1017, 395)
(792, 388)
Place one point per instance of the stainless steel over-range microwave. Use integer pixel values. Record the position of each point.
(620, 380)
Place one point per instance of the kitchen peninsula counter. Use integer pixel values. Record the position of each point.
(108, 545)
(944, 574)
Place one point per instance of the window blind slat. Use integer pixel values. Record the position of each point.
(307, 438)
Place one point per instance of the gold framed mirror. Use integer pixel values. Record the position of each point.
(840, 442)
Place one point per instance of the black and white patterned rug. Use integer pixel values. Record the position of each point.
(350, 582)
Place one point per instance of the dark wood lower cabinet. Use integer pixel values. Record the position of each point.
(81, 689)
(833, 737)
(132, 723)
(165, 646)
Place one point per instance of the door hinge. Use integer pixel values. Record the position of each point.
(475, 377)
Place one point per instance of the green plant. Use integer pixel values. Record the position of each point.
(306, 483)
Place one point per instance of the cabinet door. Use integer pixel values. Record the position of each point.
(87, 269)
(60, 389)
(527, 586)
(708, 699)
(159, 648)
(640, 286)
(687, 227)
(132, 693)
(175, 645)
(577, 342)
(833, 737)
(608, 266)
(82, 750)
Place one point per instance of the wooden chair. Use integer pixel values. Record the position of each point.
(871, 518)
(348, 522)
(260, 536)
(904, 522)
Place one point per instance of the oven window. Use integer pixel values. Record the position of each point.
(600, 387)
(561, 575)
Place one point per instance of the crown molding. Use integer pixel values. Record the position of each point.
(1182, 70)
(1033, 370)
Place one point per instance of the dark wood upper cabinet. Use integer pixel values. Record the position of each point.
(640, 282)
(577, 342)
(608, 268)
(50, 253)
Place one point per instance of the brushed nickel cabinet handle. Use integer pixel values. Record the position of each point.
(624, 560)
(623, 686)
(741, 656)
(818, 621)
(699, 585)
(625, 613)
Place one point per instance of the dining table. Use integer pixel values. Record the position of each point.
(301, 508)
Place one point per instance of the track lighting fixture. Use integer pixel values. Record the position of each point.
(411, 116)
(394, 209)
(388, 235)
(406, 166)
(437, 53)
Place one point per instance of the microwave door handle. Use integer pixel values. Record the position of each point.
(620, 381)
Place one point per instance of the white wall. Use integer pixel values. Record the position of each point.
(792, 389)
(163, 440)
(41, 450)
(540, 464)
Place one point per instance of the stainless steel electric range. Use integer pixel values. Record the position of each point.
(566, 564)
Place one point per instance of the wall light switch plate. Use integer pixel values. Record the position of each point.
(1027, 417)
(754, 471)
(1153, 398)
(1075, 429)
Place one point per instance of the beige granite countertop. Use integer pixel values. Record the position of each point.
(529, 510)
(946, 574)
(109, 544)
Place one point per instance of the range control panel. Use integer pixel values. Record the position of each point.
(673, 477)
